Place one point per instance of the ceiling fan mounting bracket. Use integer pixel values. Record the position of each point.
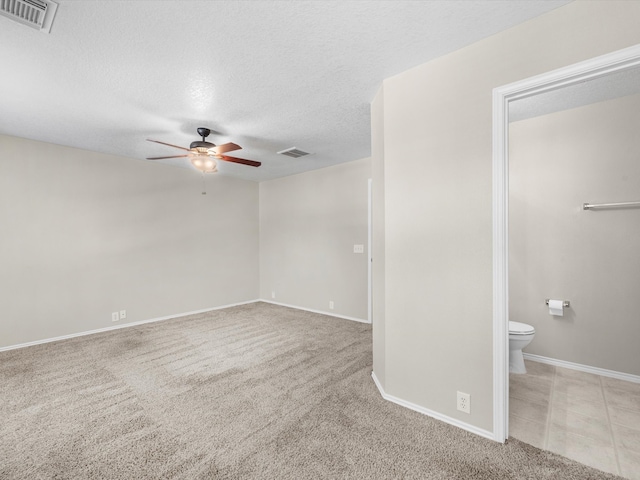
(203, 132)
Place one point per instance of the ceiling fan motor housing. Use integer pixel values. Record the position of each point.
(201, 146)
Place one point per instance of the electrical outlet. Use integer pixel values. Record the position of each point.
(123, 314)
(358, 249)
(273, 294)
(464, 402)
(330, 304)
(115, 317)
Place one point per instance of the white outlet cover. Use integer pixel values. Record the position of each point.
(115, 317)
(464, 402)
(358, 249)
(123, 314)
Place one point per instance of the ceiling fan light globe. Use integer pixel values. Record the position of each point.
(205, 166)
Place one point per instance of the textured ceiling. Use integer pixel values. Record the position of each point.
(266, 75)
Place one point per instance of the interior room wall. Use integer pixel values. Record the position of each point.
(86, 234)
(557, 250)
(309, 224)
(438, 201)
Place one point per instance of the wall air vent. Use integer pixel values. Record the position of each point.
(36, 14)
(293, 152)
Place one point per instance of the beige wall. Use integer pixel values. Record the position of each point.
(86, 234)
(309, 224)
(437, 177)
(558, 250)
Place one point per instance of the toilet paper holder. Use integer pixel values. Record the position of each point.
(565, 303)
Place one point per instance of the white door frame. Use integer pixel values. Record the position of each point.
(579, 72)
(369, 250)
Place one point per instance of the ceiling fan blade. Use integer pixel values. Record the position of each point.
(227, 147)
(173, 156)
(168, 144)
(243, 161)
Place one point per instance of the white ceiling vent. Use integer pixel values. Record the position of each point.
(293, 152)
(36, 14)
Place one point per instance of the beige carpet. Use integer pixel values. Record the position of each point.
(256, 391)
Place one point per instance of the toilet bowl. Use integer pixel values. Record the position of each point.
(520, 335)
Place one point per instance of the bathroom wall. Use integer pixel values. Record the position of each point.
(557, 162)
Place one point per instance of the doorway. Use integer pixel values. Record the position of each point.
(573, 75)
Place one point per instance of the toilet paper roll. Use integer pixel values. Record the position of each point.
(556, 308)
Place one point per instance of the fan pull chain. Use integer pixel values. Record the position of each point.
(204, 185)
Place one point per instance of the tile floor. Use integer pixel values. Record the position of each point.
(592, 419)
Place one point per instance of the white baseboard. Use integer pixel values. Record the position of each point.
(124, 325)
(331, 314)
(582, 368)
(438, 416)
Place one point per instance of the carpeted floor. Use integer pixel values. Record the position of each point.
(256, 391)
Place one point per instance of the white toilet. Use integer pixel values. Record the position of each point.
(520, 335)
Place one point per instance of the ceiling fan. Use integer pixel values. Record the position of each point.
(203, 154)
